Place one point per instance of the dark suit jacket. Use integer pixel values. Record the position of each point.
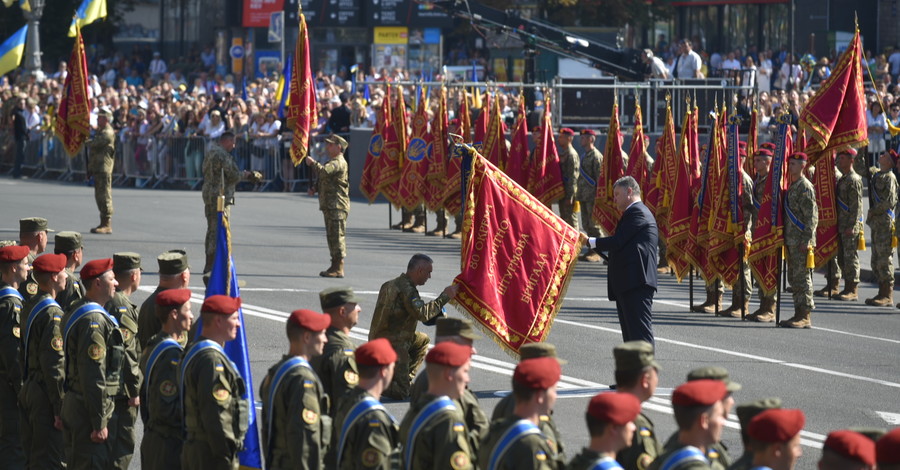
(632, 251)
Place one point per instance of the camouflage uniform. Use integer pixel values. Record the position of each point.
(100, 163)
(298, 420)
(881, 219)
(160, 407)
(530, 452)
(645, 447)
(743, 288)
(397, 311)
(850, 215)
(10, 376)
(336, 367)
(476, 421)
(441, 443)
(42, 393)
(334, 202)
(220, 172)
(504, 409)
(370, 441)
(568, 165)
(121, 424)
(588, 174)
(800, 200)
(767, 301)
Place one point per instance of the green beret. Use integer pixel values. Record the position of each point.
(337, 296)
(536, 350)
(746, 411)
(33, 224)
(714, 373)
(65, 242)
(634, 355)
(126, 261)
(447, 326)
(173, 262)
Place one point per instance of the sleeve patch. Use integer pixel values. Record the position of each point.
(374, 423)
(309, 384)
(350, 377)
(459, 460)
(459, 427)
(370, 457)
(96, 352)
(56, 343)
(220, 393)
(16, 331)
(310, 416)
(167, 388)
(220, 368)
(540, 456)
(31, 288)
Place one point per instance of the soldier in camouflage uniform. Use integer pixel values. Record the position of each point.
(762, 162)
(174, 273)
(745, 412)
(743, 289)
(637, 373)
(69, 244)
(33, 234)
(459, 331)
(101, 157)
(127, 269)
(694, 403)
(433, 432)
(296, 427)
(14, 269)
(94, 353)
(506, 406)
(799, 237)
(610, 421)
(220, 174)
(775, 437)
(850, 224)
(216, 416)
(160, 405)
(588, 175)
(42, 367)
(397, 311)
(568, 166)
(336, 367)
(370, 436)
(883, 187)
(334, 201)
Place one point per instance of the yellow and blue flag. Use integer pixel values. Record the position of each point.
(87, 13)
(284, 86)
(223, 281)
(12, 50)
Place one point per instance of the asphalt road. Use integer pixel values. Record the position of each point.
(842, 373)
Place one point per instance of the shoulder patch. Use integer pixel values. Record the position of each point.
(644, 432)
(56, 318)
(459, 460)
(96, 352)
(167, 388)
(350, 377)
(374, 423)
(123, 309)
(540, 456)
(348, 352)
(418, 303)
(309, 384)
(712, 454)
(544, 418)
(126, 334)
(220, 393)
(220, 367)
(370, 457)
(16, 331)
(459, 427)
(31, 288)
(56, 343)
(310, 416)
(644, 461)
(95, 325)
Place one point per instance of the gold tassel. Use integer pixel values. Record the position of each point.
(783, 252)
(576, 207)
(861, 243)
(810, 258)
(893, 236)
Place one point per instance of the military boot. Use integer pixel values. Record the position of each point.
(766, 312)
(105, 226)
(441, 226)
(735, 310)
(418, 226)
(335, 270)
(405, 220)
(713, 302)
(830, 289)
(799, 320)
(885, 296)
(849, 292)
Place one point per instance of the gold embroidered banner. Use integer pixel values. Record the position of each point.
(611, 169)
(371, 168)
(517, 259)
(824, 181)
(545, 178)
(411, 185)
(302, 108)
(73, 115)
(437, 157)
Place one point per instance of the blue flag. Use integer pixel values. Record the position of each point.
(244, 88)
(284, 86)
(223, 281)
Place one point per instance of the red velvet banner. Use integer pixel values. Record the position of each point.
(73, 125)
(517, 166)
(452, 197)
(824, 181)
(481, 122)
(545, 178)
(437, 157)
(301, 112)
(664, 172)
(412, 175)
(495, 149)
(681, 205)
(611, 169)
(517, 259)
(638, 167)
(394, 150)
(371, 168)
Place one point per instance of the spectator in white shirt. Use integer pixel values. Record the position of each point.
(894, 60)
(689, 63)
(157, 66)
(657, 69)
(764, 77)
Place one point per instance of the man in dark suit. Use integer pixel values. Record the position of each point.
(632, 252)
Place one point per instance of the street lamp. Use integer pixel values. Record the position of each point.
(33, 42)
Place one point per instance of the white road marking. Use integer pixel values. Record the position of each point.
(891, 418)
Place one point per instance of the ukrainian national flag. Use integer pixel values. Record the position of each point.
(223, 281)
(284, 86)
(12, 50)
(87, 13)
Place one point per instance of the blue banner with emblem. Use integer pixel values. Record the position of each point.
(223, 281)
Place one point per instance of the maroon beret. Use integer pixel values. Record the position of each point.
(852, 445)
(799, 156)
(539, 373)
(850, 151)
(9, 254)
(566, 131)
(49, 263)
(616, 407)
(221, 305)
(742, 144)
(764, 152)
(704, 392)
(776, 425)
(887, 449)
(95, 268)
(449, 354)
(588, 132)
(768, 145)
(173, 297)
(454, 122)
(377, 352)
(312, 321)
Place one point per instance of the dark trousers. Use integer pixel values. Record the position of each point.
(20, 157)
(635, 309)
